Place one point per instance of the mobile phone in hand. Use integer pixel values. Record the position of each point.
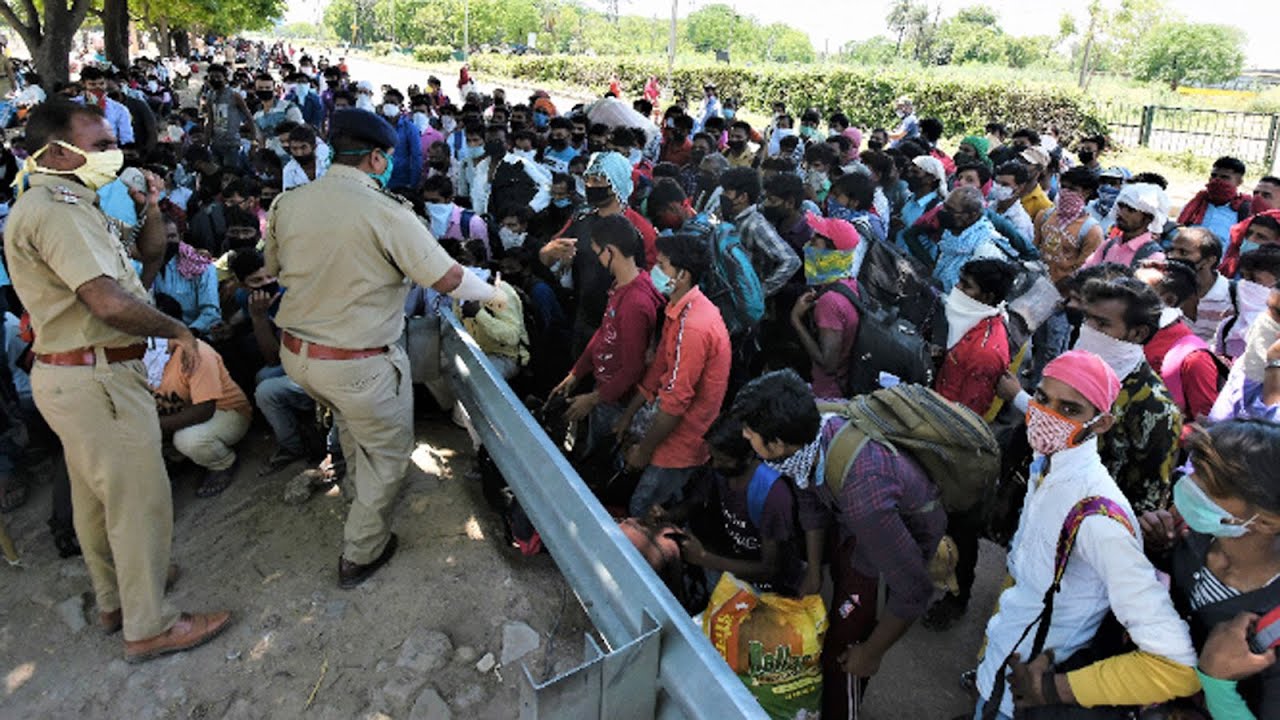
(1264, 634)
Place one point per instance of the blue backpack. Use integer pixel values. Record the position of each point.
(732, 283)
(758, 491)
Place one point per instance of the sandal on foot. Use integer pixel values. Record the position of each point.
(216, 481)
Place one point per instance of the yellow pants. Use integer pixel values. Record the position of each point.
(373, 401)
(120, 498)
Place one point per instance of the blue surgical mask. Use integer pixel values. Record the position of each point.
(474, 153)
(662, 281)
(540, 120)
(1248, 246)
(1203, 514)
(563, 202)
(729, 113)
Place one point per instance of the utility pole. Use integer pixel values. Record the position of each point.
(671, 45)
(1088, 46)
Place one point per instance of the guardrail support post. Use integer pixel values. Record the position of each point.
(1273, 139)
(1144, 130)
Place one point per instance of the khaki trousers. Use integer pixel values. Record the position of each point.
(373, 400)
(209, 444)
(106, 418)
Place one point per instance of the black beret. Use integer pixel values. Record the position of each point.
(362, 125)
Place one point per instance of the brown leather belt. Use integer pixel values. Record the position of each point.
(316, 351)
(88, 356)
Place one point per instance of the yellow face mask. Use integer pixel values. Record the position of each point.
(99, 168)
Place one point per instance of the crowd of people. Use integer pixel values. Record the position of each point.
(182, 262)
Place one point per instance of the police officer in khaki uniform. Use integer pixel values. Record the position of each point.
(346, 249)
(73, 272)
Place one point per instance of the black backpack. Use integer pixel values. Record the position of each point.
(511, 187)
(885, 343)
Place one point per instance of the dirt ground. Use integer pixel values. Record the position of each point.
(295, 634)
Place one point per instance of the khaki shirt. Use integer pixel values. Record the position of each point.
(58, 239)
(345, 250)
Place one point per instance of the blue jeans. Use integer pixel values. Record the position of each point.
(982, 704)
(658, 486)
(282, 401)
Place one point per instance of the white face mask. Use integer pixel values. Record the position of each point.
(963, 314)
(510, 238)
(390, 110)
(1123, 357)
(635, 157)
(1001, 193)
(526, 154)
(421, 122)
(152, 86)
(364, 102)
(448, 124)
(440, 214)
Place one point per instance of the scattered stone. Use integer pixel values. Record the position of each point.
(335, 609)
(425, 651)
(381, 666)
(465, 655)
(486, 663)
(401, 688)
(518, 640)
(39, 597)
(233, 655)
(71, 611)
(73, 570)
(375, 715)
(471, 695)
(271, 622)
(430, 706)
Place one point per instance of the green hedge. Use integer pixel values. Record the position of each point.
(864, 95)
(433, 53)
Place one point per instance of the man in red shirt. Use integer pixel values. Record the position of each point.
(977, 357)
(684, 387)
(676, 145)
(615, 355)
(1184, 361)
(977, 341)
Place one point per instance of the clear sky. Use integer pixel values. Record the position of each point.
(844, 20)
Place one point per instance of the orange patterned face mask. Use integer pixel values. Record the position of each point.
(1049, 432)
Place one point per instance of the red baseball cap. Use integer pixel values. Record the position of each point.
(842, 235)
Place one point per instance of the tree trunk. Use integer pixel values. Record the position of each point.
(52, 56)
(164, 41)
(181, 42)
(115, 32)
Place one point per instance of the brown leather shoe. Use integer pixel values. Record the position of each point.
(351, 574)
(190, 631)
(112, 621)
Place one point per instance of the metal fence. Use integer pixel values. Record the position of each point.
(656, 663)
(1252, 137)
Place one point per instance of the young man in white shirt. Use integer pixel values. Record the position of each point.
(1199, 248)
(1105, 569)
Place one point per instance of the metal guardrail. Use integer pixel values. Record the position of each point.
(657, 663)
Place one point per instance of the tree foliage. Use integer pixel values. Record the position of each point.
(1179, 52)
(567, 26)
